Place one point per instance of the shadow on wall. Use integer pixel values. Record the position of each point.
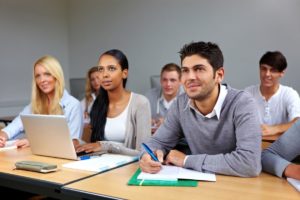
(155, 81)
(77, 87)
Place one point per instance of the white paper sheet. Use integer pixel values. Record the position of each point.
(10, 144)
(295, 183)
(101, 163)
(174, 173)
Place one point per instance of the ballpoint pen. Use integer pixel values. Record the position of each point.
(150, 152)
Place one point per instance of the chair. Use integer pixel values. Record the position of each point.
(77, 86)
(155, 81)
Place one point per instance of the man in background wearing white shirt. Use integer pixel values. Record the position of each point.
(278, 105)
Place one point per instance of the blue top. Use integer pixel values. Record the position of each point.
(72, 111)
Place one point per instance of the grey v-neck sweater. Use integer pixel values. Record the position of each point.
(230, 145)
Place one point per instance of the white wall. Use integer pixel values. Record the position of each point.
(152, 32)
(29, 29)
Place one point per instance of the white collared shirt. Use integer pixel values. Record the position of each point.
(166, 103)
(157, 104)
(163, 105)
(218, 106)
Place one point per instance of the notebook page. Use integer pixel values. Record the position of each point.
(295, 183)
(167, 173)
(173, 173)
(195, 175)
(10, 144)
(101, 163)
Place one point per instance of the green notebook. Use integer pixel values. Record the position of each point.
(179, 183)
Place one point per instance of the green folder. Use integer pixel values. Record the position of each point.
(179, 183)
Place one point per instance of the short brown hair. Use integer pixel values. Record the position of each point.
(171, 67)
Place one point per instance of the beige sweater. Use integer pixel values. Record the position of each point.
(138, 128)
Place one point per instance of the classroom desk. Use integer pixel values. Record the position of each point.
(112, 185)
(38, 183)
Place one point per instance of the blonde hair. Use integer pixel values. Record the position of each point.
(88, 87)
(39, 101)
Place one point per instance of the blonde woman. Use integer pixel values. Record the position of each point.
(49, 98)
(92, 86)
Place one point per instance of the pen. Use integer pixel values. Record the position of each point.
(85, 157)
(150, 152)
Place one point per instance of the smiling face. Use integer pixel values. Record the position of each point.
(198, 78)
(44, 80)
(269, 77)
(111, 73)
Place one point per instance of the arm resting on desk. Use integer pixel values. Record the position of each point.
(279, 155)
(3, 138)
(277, 129)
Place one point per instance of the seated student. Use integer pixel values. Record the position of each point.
(278, 105)
(277, 158)
(120, 119)
(48, 97)
(219, 123)
(161, 98)
(92, 86)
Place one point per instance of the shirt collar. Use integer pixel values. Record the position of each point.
(220, 101)
(275, 94)
(218, 106)
(162, 101)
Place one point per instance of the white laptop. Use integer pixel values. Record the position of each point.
(49, 135)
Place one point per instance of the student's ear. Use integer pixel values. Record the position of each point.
(124, 73)
(282, 73)
(219, 76)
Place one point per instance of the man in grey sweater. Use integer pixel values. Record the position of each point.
(220, 124)
(277, 159)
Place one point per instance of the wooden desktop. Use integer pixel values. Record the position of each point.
(113, 185)
(80, 184)
(46, 184)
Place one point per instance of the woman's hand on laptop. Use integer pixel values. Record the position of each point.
(21, 143)
(76, 143)
(3, 138)
(89, 147)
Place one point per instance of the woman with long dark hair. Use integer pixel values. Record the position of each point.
(120, 119)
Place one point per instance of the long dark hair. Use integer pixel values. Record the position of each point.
(100, 107)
